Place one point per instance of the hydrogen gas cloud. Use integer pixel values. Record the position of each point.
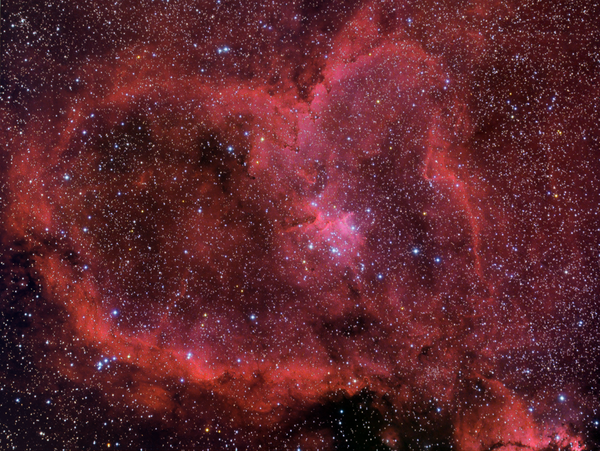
(318, 225)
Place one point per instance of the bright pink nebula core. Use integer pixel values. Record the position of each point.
(392, 223)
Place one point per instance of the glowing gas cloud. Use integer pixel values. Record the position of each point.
(300, 225)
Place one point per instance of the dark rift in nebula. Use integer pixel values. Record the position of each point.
(304, 226)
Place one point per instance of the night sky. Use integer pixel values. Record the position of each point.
(300, 225)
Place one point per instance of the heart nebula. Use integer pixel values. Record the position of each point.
(305, 226)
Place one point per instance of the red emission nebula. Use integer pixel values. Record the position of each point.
(300, 225)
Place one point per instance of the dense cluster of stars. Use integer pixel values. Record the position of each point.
(301, 225)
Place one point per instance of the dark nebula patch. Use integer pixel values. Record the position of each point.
(306, 225)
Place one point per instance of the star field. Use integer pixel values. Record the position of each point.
(300, 226)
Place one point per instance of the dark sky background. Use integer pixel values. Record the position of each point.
(304, 225)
